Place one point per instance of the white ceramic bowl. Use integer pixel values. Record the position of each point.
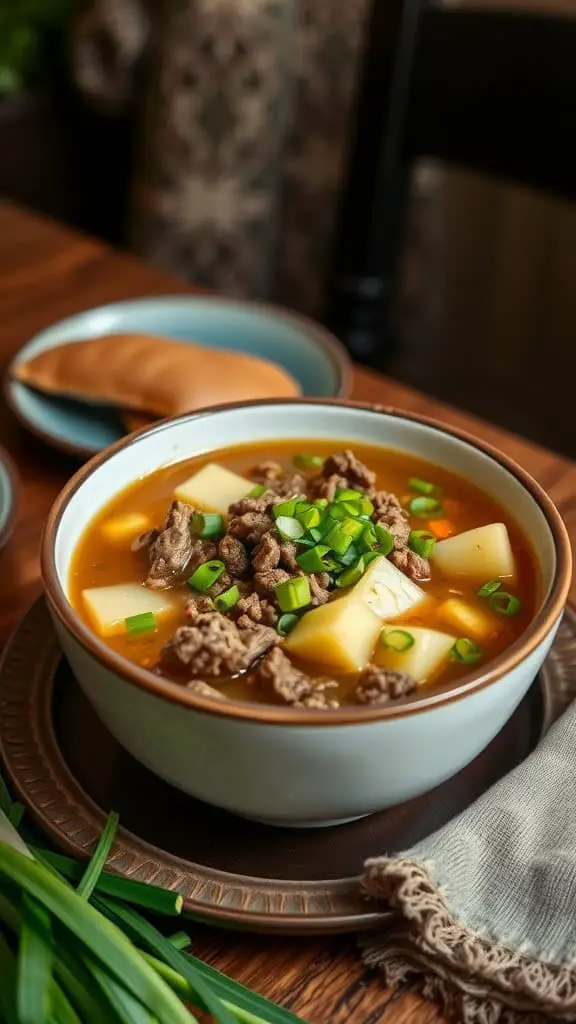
(294, 766)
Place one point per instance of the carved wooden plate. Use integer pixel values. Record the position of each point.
(69, 772)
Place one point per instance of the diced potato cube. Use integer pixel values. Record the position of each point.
(467, 619)
(122, 529)
(214, 488)
(429, 652)
(108, 607)
(342, 633)
(480, 554)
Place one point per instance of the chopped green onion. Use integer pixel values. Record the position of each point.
(369, 556)
(316, 533)
(206, 574)
(309, 517)
(96, 864)
(504, 603)
(285, 508)
(397, 639)
(466, 651)
(308, 461)
(289, 528)
(293, 594)
(321, 503)
(366, 507)
(143, 623)
(286, 623)
(225, 601)
(422, 542)
(349, 556)
(207, 524)
(488, 588)
(352, 527)
(350, 576)
(420, 486)
(367, 542)
(344, 510)
(338, 539)
(384, 539)
(257, 491)
(314, 559)
(346, 494)
(426, 508)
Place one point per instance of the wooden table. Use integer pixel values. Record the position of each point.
(47, 272)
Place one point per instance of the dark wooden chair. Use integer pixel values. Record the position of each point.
(494, 91)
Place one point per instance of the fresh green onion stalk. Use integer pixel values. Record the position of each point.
(84, 955)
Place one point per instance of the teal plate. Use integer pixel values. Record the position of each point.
(7, 498)
(308, 352)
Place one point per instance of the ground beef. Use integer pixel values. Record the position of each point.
(379, 685)
(202, 551)
(198, 605)
(288, 552)
(204, 689)
(346, 465)
(234, 555)
(266, 554)
(266, 582)
(326, 487)
(319, 583)
(282, 680)
(386, 505)
(250, 526)
(263, 503)
(252, 609)
(413, 565)
(284, 482)
(171, 551)
(215, 646)
(224, 582)
(144, 540)
(388, 512)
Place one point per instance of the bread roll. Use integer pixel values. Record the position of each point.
(151, 374)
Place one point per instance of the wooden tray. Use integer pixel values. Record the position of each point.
(69, 771)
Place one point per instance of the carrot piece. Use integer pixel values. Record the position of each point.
(441, 528)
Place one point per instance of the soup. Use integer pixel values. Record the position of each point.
(306, 574)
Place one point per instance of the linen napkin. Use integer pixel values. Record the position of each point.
(485, 908)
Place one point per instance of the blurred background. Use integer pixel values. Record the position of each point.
(402, 170)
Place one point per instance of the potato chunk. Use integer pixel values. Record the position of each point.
(342, 633)
(108, 607)
(427, 656)
(122, 529)
(467, 619)
(480, 554)
(213, 488)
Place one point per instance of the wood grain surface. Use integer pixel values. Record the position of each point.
(47, 272)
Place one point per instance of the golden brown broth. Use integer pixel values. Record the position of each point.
(99, 562)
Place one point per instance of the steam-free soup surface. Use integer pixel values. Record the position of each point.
(348, 586)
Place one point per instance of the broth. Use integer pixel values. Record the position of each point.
(101, 561)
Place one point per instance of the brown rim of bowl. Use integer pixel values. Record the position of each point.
(10, 470)
(328, 342)
(352, 714)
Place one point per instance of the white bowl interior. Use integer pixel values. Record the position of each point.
(198, 434)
